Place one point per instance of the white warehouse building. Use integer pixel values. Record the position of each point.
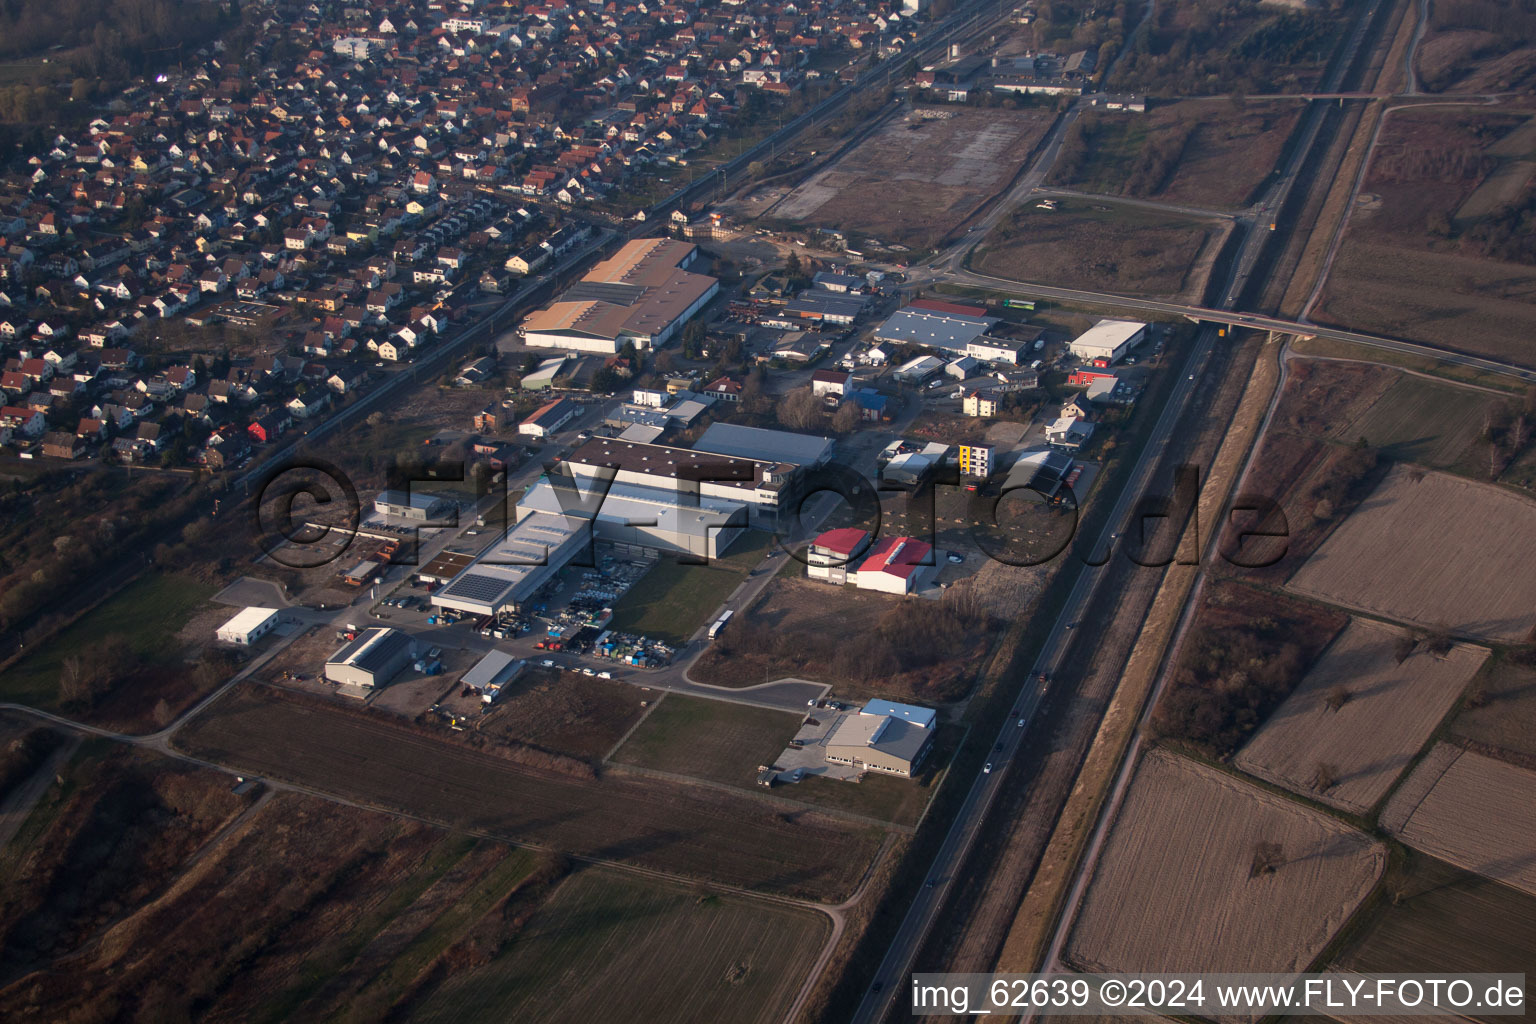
(373, 659)
(248, 626)
(1109, 340)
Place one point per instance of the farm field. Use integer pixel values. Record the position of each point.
(670, 827)
(1188, 842)
(1097, 245)
(800, 627)
(1443, 919)
(610, 947)
(1217, 152)
(1473, 811)
(1359, 716)
(1433, 424)
(709, 739)
(1501, 712)
(1414, 552)
(920, 176)
(1413, 263)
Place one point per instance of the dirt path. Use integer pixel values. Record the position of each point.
(1069, 859)
(18, 804)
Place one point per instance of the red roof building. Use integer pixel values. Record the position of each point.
(953, 308)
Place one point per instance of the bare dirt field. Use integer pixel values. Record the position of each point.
(1413, 263)
(677, 828)
(912, 649)
(1473, 811)
(1096, 245)
(1187, 881)
(1500, 711)
(1359, 716)
(566, 712)
(1222, 151)
(607, 946)
(920, 176)
(1432, 550)
(1440, 918)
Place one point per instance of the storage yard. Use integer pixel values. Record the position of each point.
(1359, 716)
(1435, 551)
(1471, 810)
(1225, 877)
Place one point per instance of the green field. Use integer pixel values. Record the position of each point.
(709, 739)
(1420, 421)
(147, 612)
(609, 946)
(1445, 920)
(674, 599)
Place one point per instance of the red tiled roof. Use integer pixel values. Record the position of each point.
(935, 306)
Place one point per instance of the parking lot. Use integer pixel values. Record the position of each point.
(807, 752)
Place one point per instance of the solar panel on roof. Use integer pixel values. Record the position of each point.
(478, 587)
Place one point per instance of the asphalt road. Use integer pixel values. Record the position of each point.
(890, 977)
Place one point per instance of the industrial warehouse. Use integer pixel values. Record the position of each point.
(371, 660)
(883, 737)
(643, 521)
(512, 570)
(764, 482)
(890, 565)
(642, 294)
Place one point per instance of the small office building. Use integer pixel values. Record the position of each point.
(248, 626)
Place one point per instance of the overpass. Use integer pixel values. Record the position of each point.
(1234, 318)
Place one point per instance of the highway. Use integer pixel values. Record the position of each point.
(890, 977)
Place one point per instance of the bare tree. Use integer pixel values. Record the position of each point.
(1337, 697)
(1268, 856)
(1325, 777)
(800, 409)
(848, 417)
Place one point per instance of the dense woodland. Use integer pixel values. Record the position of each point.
(1237, 46)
